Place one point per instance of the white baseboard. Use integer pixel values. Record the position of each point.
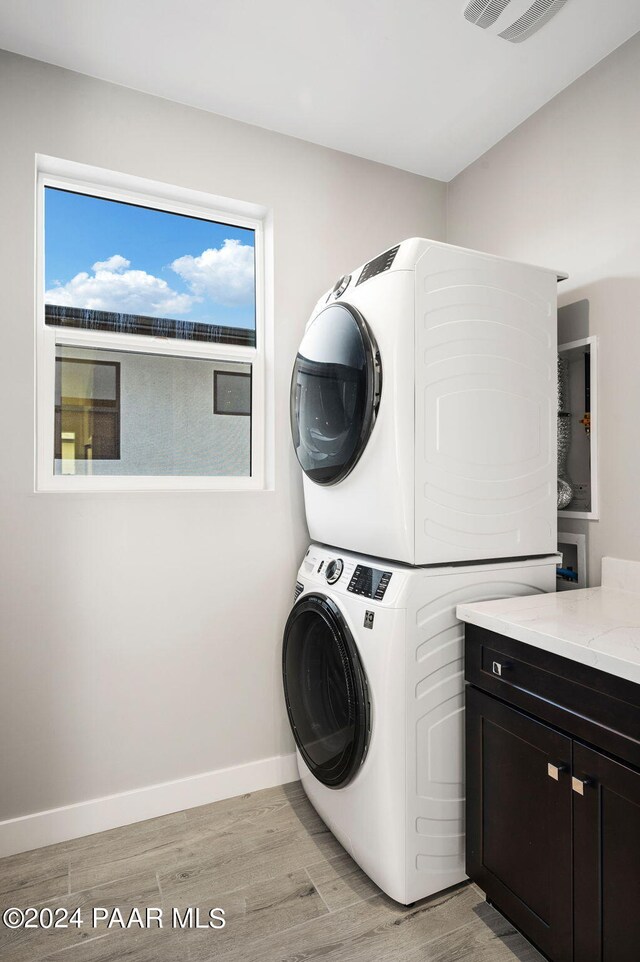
(99, 814)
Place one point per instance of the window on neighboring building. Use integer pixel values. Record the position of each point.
(232, 393)
(145, 303)
(87, 413)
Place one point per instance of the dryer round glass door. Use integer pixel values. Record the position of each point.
(335, 393)
(325, 691)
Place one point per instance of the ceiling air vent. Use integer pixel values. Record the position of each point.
(530, 22)
(485, 12)
(527, 16)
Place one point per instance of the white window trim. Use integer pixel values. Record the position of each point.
(52, 172)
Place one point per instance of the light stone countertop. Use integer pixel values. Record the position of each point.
(599, 627)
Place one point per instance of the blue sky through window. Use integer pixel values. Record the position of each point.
(110, 256)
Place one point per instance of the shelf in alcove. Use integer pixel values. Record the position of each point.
(583, 458)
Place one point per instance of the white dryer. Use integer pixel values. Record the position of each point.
(373, 682)
(423, 408)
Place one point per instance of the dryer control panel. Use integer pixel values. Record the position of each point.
(369, 582)
(379, 264)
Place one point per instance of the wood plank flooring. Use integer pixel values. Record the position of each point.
(289, 891)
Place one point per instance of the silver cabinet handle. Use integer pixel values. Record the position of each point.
(498, 667)
(579, 784)
(554, 771)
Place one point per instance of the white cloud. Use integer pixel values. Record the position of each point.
(114, 263)
(113, 287)
(225, 274)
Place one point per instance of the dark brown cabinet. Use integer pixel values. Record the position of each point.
(606, 858)
(553, 822)
(519, 820)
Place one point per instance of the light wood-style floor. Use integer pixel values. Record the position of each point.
(290, 893)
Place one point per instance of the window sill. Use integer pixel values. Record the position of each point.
(147, 485)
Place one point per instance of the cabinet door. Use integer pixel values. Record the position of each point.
(519, 820)
(606, 813)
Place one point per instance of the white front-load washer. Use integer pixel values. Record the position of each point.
(374, 689)
(423, 408)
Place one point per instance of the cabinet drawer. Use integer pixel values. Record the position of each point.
(589, 704)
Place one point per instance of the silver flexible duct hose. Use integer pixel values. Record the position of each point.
(565, 486)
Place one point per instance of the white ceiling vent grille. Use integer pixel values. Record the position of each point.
(530, 22)
(485, 12)
(527, 16)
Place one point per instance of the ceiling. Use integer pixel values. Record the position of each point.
(405, 82)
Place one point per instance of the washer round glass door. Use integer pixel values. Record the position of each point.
(335, 393)
(325, 690)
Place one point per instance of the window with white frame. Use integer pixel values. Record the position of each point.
(150, 336)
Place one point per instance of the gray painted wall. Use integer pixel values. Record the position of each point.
(140, 633)
(564, 190)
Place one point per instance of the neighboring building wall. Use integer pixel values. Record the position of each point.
(141, 633)
(167, 422)
(563, 190)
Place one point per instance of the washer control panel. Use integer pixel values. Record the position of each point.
(369, 582)
(333, 570)
(352, 576)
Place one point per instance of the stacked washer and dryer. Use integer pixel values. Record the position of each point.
(423, 412)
